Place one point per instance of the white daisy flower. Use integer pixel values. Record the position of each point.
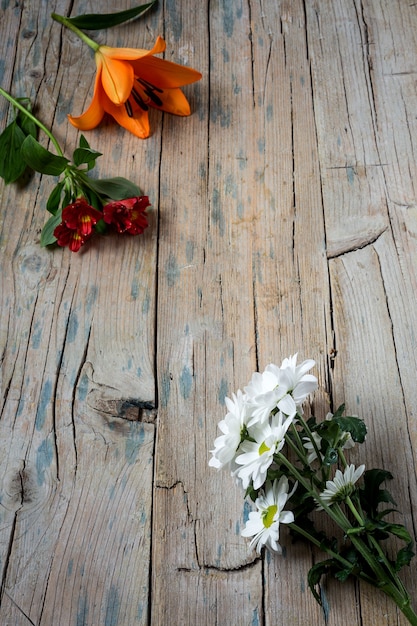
(256, 456)
(295, 377)
(342, 485)
(284, 388)
(263, 393)
(226, 445)
(263, 524)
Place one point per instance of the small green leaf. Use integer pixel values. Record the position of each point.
(339, 412)
(40, 159)
(329, 430)
(117, 188)
(54, 199)
(93, 199)
(27, 125)
(316, 572)
(399, 531)
(83, 142)
(96, 21)
(85, 155)
(47, 235)
(12, 164)
(371, 495)
(404, 557)
(353, 425)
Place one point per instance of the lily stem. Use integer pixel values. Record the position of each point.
(68, 24)
(28, 114)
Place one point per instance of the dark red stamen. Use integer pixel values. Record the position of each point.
(137, 98)
(149, 90)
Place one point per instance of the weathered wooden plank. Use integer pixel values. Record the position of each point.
(205, 284)
(365, 341)
(373, 308)
(291, 277)
(77, 372)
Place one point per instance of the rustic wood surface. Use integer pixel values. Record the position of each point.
(284, 219)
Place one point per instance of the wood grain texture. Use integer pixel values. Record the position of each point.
(283, 219)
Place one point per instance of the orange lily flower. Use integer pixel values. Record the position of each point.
(129, 81)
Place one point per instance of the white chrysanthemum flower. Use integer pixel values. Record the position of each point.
(295, 377)
(263, 524)
(284, 388)
(226, 445)
(342, 485)
(264, 394)
(256, 456)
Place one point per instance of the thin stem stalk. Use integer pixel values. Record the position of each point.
(68, 24)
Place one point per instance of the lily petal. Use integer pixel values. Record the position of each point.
(138, 124)
(164, 74)
(95, 112)
(117, 79)
(173, 101)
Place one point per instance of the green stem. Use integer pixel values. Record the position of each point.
(28, 114)
(66, 22)
(354, 511)
(382, 556)
(307, 430)
(333, 512)
(329, 551)
(409, 613)
(342, 457)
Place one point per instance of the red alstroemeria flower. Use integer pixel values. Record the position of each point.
(67, 237)
(128, 216)
(81, 216)
(78, 220)
(129, 81)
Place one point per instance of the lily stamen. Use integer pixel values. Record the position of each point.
(149, 89)
(146, 83)
(128, 108)
(139, 100)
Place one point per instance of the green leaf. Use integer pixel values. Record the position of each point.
(93, 199)
(40, 159)
(117, 188)
(339, 412)
(96, 21)
(353, 425)
(54, 199)
(85, 155)
(316, 572)
(399, 531)
(83, 142)
(404, 557)
(27, 125)
(47, 235)
(12, 164)
(370, 493)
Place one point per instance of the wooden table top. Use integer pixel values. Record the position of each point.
(283, 220)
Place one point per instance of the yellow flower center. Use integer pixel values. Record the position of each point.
(263, 448)
(268, 515)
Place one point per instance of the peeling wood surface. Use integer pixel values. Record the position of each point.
(284, 219)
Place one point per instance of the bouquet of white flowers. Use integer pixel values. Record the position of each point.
(280, 458)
